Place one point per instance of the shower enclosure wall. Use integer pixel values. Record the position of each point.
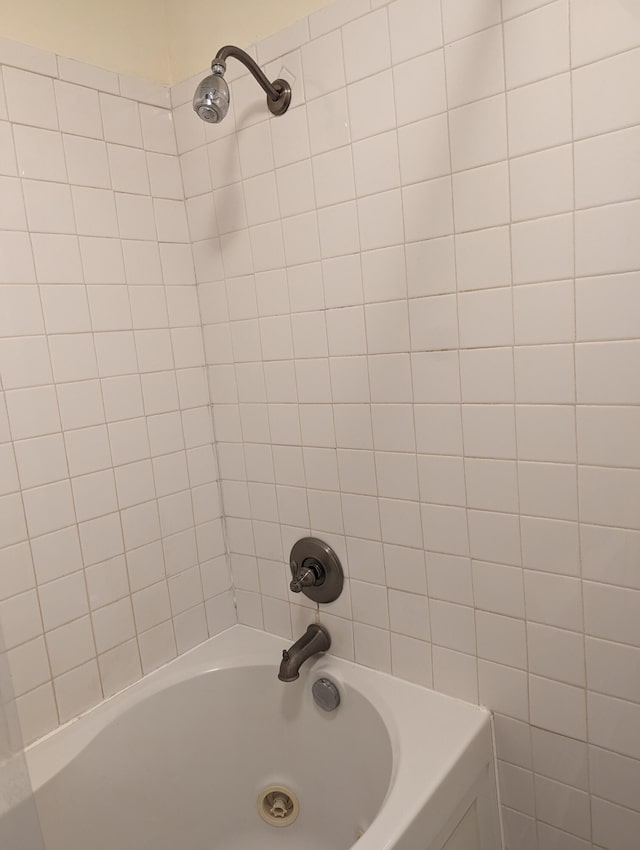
(113, 555)
(417, 310)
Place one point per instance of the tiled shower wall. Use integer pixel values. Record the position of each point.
(420, 302)
(112, 557)
(421, 317)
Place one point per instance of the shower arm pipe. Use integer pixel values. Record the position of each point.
(242, 56)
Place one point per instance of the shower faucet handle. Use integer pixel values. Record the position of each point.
(308, 574)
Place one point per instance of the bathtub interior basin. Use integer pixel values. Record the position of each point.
(185, 768)
(181, 758)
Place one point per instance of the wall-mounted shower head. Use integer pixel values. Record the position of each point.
(211, 100)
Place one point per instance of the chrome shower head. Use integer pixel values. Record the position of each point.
(211, 100)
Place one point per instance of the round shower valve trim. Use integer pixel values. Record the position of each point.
(316, 570)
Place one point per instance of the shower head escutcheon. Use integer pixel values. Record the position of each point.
(211, 100)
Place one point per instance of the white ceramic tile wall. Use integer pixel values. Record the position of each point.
(420, 316)
(418, 295)
(112, 557)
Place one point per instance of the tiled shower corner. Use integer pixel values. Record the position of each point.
(113, 554)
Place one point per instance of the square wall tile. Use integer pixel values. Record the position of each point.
(322, 73)
(366, 46)
(419, 87)
(537, 44)
(601, 100)
(481, 197)
(371, 106)
(478, 133)
(23, 89)
(539, 115)
(475, 67)
(78, 110)
(415, 28)
(465, 17)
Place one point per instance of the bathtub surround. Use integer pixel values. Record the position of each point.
(113, 553)
(419, 304)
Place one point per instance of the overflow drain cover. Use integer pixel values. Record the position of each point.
(278, 806)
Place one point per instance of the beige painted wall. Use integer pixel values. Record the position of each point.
(197, 28)
(128, 36)
(162, 40)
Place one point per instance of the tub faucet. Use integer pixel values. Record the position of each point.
(315, 639)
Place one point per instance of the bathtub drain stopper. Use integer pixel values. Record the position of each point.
(278, 806)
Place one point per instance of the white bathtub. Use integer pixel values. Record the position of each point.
(178, 760)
